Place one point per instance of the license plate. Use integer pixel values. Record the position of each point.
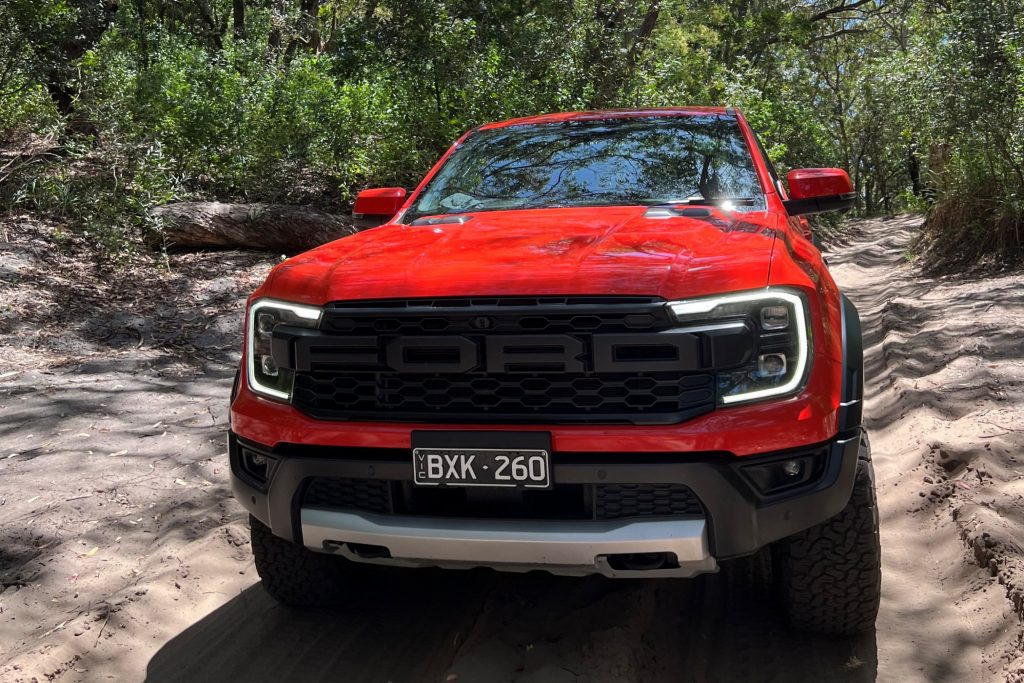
(528, 469)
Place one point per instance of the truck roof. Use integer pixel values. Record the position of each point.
(608, 114)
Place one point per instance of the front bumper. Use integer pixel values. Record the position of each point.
(569, 547)
(737, 519)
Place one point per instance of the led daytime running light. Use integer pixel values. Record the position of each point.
(687, 309)
(309, 313)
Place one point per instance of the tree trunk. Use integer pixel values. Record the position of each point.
(238, 18)
(269, 227)
(93, 20)
(914, 168)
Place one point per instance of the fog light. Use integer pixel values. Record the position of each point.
(268, 366)
(779, 475)
(255, 466)
(771, 365)
(775, 317)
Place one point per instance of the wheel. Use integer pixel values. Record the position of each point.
(830, 576)
(293, 574)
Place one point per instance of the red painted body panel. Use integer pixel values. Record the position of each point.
(768, 426)
(380, 201)
(561, 251)
(606, 250)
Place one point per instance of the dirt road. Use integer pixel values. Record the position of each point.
(123, 557)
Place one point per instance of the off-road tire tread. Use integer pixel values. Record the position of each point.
(830, 575)
(292, 574)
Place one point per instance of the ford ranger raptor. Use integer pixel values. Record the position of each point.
(587, 343)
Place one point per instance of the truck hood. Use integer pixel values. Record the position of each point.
(569, 251)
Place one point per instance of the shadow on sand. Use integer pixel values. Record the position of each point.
(422, 625)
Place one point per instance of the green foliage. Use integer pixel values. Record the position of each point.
(138, 102)
(973, 79)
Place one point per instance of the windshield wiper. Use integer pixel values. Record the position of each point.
(718, 201)
(608, 199)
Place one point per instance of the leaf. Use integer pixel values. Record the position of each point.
(90, 553)
(118, 454)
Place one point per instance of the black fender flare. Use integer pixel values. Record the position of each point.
(235, 386)
(851, 399)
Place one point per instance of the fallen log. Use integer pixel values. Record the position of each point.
(268, 227)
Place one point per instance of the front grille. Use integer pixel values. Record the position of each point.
(614, 501)
(570, 315)
(563, 501)
(338, 380)
(368, 495)
(327, 394)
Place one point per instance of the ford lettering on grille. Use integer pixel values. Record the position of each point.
(515, 353)
(507, 361)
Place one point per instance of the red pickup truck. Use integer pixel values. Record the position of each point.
(594, 342)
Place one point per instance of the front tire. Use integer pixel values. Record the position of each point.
(830, 575)
(293, 574)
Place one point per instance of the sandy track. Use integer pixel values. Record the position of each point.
(169, 592)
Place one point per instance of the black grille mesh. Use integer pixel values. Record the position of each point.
(326, 394)
(609, 501)
(369, 495)
(499, 321)
(614, 501)
(379, 393)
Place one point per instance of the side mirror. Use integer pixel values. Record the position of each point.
(817, 190)
(377, 206)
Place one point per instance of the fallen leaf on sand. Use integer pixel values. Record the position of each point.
(181, 482)
(95, 549)
(119, 453)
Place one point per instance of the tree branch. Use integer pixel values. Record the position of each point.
(839, 9)
(837, 34)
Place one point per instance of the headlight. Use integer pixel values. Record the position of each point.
(264, 376)
(779, 365)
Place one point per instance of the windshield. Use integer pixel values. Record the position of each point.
(626, 161)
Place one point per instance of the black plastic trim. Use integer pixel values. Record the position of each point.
(740, 520)
(851, 402)
(483, 338)
(832, 202)
(654, 419)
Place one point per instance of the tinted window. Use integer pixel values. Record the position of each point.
(649, 161)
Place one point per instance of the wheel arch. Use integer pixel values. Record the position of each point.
(851, 394)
